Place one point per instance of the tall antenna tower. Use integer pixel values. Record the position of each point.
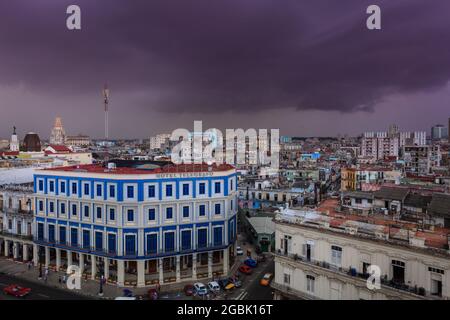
(106, 102)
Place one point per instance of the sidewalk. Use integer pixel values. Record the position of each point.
(89, 288)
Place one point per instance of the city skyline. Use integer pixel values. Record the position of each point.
(307, 69)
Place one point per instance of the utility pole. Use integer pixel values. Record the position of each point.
(106, 102)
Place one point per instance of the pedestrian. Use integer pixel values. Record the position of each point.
(59, 279)
(29, 265)
(64, 279)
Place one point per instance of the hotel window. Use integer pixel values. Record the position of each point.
(185, 212)
(186, 239)
(169, 191)
(86, 189)
(231, 205)
(51, 186)
(217, 208)
(41, 205)
(217, 235)
(74, 209)
(86, 211)
(51, 233)
(152, 214)
(130, 245)
(151, 191)
(185, 189)
(74, 188)
(130, 192)
(98, 240)
(112, 214)
(51, 207)
(99, 212)
(169, 241)
(169, 213)
(40, 231)
(336, 256)
(62, 235)
(202, 210)
(202, 238)
(130, 215)
(62, 187)
(152, 243)
(310, 281)
(231, 184)
(201, 188)
(287, 279)
(99, 190)
(63, 208)
(86, 239)
(217, 187)
(74, 237)
(41, 185)
(111, 243)
(112, 191)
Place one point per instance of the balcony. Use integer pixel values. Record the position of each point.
(15, 235)
(419, 292)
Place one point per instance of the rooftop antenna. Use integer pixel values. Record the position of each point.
(106, 102)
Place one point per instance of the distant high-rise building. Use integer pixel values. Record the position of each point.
(58, 134)
(439, 132)
(14, 144)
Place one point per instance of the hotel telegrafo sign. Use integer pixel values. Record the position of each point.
(184, 175)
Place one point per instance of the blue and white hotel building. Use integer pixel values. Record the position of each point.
(136, 226)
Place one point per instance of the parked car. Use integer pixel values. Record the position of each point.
(245, 269)
(239, 251)
(265, 280)
(237, 283)
(223, 283)
(200, 289)
(189, 290)
(250, 262)
(214, 287)
(127, 293)
(153, 294)
(16, 290)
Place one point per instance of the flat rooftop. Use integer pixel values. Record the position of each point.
(141, 167)
(376, 227)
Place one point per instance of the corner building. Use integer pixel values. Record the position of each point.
(134, 226)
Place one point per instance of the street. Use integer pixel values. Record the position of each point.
(38, 291)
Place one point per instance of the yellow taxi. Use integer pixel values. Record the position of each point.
(265, 280)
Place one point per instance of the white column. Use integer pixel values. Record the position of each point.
(120, 273)
(93, 266)
(6, 248)
(35, 255)
(210, 268)
(69, 258)
(47, 256)
(25, 252)
(15, 250)
(106, 268)
(178, 271)
(141, 273)
(161, 271)
(58, 259)
(194, 266)
(81, 261)
(225, 261)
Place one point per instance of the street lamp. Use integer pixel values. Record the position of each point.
(40, 262)
(101, 267)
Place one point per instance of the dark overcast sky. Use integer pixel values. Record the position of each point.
(306, 67)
